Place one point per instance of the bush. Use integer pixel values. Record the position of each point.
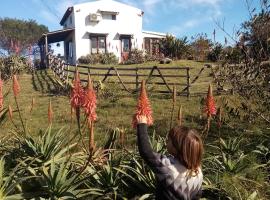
(12, 65)
(135, 57)
(90, 59)
(156, 57)
(106, 58)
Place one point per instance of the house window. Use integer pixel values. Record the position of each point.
(107, 16)
(98, 44)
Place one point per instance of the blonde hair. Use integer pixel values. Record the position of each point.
(189, 147)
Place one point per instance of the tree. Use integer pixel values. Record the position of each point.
(18, 36)
(215, 53)
(174, 47)
(250, 79)
(201, 46)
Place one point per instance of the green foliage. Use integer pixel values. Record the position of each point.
(109, 91)
(20, 33)
(59, 181)
(215, 54)
(154, 57)
(108, 58)
(175, 48)
(48, 146)
(200, 46)
(12, 65)
(250, 79)
(105, 58)
(135, 56)
(90, 59)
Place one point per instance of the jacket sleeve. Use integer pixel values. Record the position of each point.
(153, 159)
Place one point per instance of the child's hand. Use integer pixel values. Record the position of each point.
(141, 119)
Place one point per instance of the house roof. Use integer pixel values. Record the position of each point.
(66, 15)
(55, 36)
(152, 34)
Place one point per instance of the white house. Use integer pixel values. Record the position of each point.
(102, 26)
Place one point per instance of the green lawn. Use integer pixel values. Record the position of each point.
(115, 110)
(115, 106)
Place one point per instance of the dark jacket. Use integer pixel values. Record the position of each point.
(173, 181)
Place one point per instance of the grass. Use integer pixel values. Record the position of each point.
(199, 87)
(113, 111)
(115, 106)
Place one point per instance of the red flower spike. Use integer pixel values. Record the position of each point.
(90, 101)
(16, 87)
(77, 93)
(210, 107)
(143, 107)
(1, 94)
(50, 112)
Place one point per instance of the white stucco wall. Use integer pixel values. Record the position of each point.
(128, 21)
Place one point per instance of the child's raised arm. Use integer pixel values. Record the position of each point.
(152, 158)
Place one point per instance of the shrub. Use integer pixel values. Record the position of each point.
(135, 57)
(153, 57)
(12, 65)
(90, 59)
(106, 58)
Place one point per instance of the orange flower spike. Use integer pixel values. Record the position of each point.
(16, 87)
(143, 107)
(90, 101)
(210, 107)
(10, 112)
(77, 92)
(50, 112)
(1, 94)
(180, 116)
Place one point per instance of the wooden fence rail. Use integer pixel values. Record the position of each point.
(180, 75)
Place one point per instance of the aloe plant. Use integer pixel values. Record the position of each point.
(61, 182)
(47, 146)
(106, 180)
(9, 183)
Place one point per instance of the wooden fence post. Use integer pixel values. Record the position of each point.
(67, 73)
(137, 79)
(188, 83)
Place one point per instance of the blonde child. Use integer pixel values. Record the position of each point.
(179, 175)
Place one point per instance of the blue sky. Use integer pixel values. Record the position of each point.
(178, 17)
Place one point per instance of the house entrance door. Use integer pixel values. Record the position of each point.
(125, 47)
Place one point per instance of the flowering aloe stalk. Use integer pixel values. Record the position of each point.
(143, 107)
(180, 116)
(210, 107)
(16, 91)
(90, 101)
(50, 112)
(76, 98)
(15, 86)
(89, 105)
(1, 94)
